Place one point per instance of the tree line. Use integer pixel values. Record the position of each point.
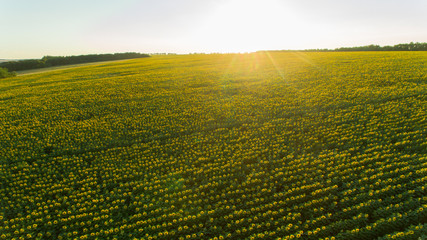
(399, 47)
(50, 61)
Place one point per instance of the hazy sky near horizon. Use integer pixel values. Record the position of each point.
(33, 29)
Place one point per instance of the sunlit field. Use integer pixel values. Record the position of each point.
(268, 145)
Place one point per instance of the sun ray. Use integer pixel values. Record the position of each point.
(279, 71)
(224, 86)
(304, 57)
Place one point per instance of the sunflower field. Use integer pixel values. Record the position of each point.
(266, 145)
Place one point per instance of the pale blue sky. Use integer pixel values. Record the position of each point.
(35, 28)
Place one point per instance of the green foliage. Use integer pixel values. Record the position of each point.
(4, 73)
(398, 47)
(58, 61)
(49, 61)
(23, 64)
(228, 146)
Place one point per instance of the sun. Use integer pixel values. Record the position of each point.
(247, 25)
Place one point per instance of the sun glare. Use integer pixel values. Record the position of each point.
(245, 26)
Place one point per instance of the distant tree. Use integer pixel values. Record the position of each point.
(22, 65)
(56, 61)
(4, 73)
(49, 61)
(399, 47)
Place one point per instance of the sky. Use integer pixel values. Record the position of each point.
(33, 29)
